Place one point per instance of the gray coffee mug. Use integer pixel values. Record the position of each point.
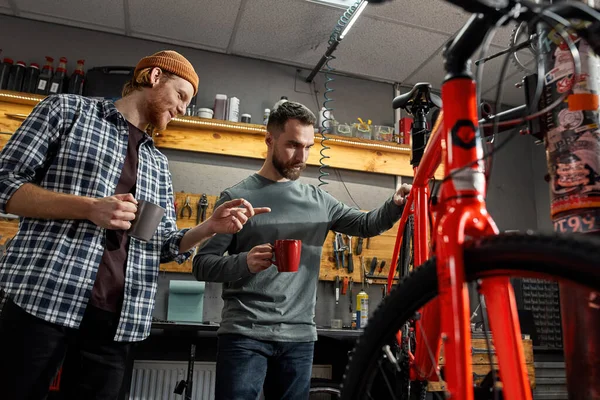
(146, 221)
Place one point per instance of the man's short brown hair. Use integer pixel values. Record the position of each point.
(285, 112)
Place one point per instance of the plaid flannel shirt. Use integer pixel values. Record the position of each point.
(71, 144)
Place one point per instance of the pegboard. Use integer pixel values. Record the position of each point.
(188, 221)
(381, 246)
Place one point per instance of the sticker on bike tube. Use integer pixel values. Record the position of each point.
(564, 84)
(468, 179)
(585, 222)
(575, 168)
(570, 119)
(572, 137)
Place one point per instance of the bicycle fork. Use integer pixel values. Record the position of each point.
(463, 198)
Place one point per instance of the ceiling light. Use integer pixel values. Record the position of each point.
(360, 9)
(337, 3)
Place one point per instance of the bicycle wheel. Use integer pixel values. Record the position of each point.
(568, 259)
(324, 389)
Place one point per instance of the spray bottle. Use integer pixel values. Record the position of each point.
(362, 305)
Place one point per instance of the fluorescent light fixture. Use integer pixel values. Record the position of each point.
(335, 3)
(355, 16)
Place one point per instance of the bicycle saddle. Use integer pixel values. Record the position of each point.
(420, 94)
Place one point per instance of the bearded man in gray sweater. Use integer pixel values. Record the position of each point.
(267, 333)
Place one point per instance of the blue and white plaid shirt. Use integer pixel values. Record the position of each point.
(75, 145)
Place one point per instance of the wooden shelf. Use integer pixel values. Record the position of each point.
(242, 140)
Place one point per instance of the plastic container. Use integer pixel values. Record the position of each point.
(266, 116)
(246, 118)
(233, 109)
(220, 107)
(362, 131)
(382, 133)
(205, 113)
(325, 120)
(336, 323)
(343, 130)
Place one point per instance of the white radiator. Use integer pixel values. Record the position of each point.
(156, 380)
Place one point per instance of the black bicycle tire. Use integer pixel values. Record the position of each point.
(406, 248)
(564, 257)
(324, 386)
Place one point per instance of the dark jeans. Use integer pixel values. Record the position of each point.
(245, 365)
(32, 350)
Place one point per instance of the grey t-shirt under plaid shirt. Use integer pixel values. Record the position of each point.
(76, 145)
(281, 306)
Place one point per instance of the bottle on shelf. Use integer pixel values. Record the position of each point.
(280, 102)
(220, 107)
(266, 116)
(43, 83)
(57, 83)
(31, 78)
(5, 72)
(77, 78)
(15, 77)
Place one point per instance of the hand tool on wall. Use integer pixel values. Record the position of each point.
(337, 289)
(350, 295)
(373, 266)
(202, 206)
(359, 246)
(344, 285)
(185, 207)
(336, 251)
(342, 248)
(350, 259)
(381, 267)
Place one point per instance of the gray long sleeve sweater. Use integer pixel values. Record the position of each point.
(280, 306)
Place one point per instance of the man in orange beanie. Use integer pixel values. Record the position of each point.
(78, 287)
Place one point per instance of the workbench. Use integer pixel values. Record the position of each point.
(198, 342)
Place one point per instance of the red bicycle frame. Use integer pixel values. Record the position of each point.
(460, 212)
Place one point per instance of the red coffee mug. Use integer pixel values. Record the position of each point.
(287, 255)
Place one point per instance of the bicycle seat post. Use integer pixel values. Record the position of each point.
(418, 102)
(419, 134)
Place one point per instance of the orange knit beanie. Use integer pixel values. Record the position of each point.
(173, 62)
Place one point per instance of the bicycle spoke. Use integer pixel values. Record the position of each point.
(387, 381)
(430, 351)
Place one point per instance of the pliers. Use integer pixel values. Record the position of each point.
(202, 206)
(186, 206)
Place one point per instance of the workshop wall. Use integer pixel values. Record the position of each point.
(513, 196)
(258, 84)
